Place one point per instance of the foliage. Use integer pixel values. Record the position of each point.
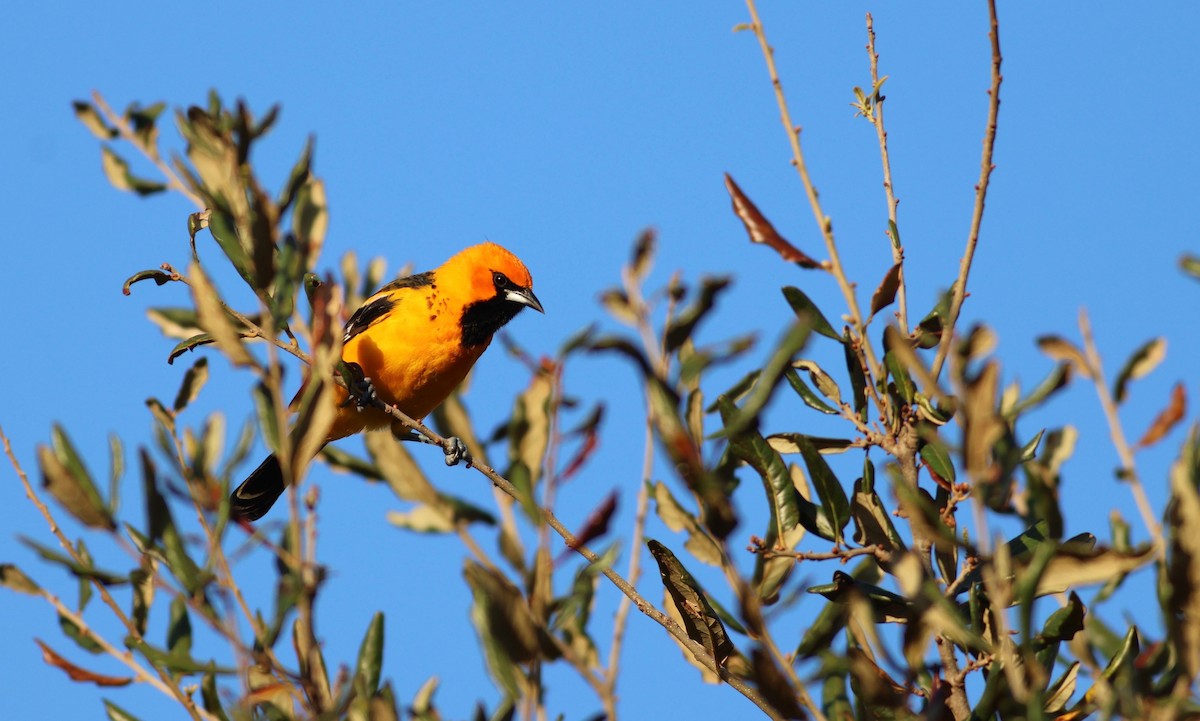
(934, 619)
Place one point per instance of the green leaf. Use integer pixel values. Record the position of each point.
(507, 629)
(179, 629)
(937, 461)
(81, 570)
(193, 380)
(1063, 350)
(116, 713)
(14, 578)
(367, 670)
(1063, 624)
(822, 380)
(786, 443)
(886, 606)
(858, 379)
(683, 325)
(828, 487)
(299, 175)
(808, 313)
(1190, 265)
(158, 276)
(87, 114)
(872, 521)
(210, 697)
(673, 515)
(72, 631)
(1143, 361)
(117, 172)
(811, 399)
(223, 228)
(310, 219)
(777, 365)
(1055, 381)
(214, 319)
(699, 620)
(904, 385)
(66, 478)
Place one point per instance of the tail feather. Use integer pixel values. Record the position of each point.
(258, 492)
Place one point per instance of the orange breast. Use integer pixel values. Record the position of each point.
(413, 357)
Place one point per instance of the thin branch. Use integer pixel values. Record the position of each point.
(254, 329)
(658, 350)
(985, 174)
(127, 133)
(823, 221)
(624, 586)
(125, 657)
(1124, 451)
(194, 711)
(876, 118)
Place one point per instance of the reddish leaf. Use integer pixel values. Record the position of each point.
(886, 292)
(590, 442)
(76, 673)
(596, 524)
(1166, 420)
(761, 230)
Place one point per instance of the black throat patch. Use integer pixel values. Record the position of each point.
(481, 320)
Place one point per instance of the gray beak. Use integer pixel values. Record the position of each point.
(524, 296)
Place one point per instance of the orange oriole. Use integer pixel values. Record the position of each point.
(415, 339)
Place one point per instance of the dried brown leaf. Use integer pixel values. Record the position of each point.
(51, 657)
(1167, 419)
(761, 230)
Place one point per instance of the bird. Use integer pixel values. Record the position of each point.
(415, 340)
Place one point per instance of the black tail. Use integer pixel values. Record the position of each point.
(259, 492)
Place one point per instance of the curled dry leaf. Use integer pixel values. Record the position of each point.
(51, 657)
(761, 230)
(1167, 419)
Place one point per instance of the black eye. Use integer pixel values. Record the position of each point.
(501, 281)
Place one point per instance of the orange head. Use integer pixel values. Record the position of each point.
(494, 286)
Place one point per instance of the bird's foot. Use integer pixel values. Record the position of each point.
(362, 391)
(456, 451)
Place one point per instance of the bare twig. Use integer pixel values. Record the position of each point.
(165, 681)
(823, 221)
(985, 173)
(1124, 451)
(876, 118)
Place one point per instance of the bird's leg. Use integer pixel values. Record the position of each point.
(456, 451)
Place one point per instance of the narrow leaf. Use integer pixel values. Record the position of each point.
(1140, 364)
(1167, 419)
(1061, 349)
(808, 312)
(885, 294)
(699, 620)
(75, 673)
(761, 230)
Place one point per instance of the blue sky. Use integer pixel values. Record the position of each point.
(561, 130)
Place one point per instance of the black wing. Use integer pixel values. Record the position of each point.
(382, 304)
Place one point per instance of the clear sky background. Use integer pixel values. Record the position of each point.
(561, 130)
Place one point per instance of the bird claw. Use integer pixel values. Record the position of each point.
(364, 395)
(456, 451)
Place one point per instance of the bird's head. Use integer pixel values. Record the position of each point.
(496, 286)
